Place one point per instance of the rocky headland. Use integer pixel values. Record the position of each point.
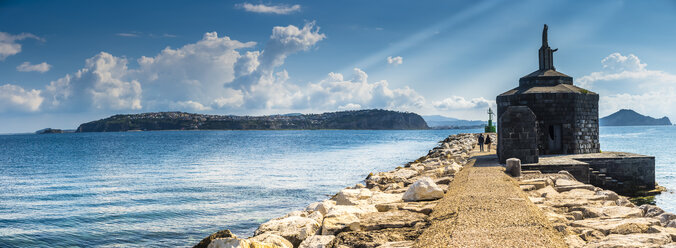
(358, 119)
(412, 206)
(628, 117)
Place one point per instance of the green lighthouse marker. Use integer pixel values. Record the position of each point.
(490, 128)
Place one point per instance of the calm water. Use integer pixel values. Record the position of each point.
(648, 140)
(174, 188)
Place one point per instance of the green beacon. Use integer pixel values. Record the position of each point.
(490, 128)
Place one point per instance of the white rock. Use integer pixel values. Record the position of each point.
(317, 216)
(293, 228)
(352, 196)
(323, 207)
(238, 243)
(423, 189)
(273, 239)
(632, 240)
(609, 195)
(317, 241)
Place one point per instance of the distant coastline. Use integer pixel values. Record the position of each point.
(373, 119)
(628, 117)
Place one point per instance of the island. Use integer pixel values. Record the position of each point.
(628, 117)
(359, 119)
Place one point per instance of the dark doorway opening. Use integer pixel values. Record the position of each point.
(554, 137)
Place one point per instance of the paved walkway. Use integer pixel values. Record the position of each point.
(485, 208)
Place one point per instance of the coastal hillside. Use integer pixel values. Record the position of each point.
(360, 119)
(439, 121)
(628, 117)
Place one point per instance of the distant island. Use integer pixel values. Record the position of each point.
(359, 119)
(628, 117)
(443, 122)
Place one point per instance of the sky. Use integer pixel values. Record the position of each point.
(63, 63)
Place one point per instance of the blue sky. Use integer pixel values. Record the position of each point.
(66, 62)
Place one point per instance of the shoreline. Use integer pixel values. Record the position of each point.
(392, 209)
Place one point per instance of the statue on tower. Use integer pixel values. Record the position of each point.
(546, 53)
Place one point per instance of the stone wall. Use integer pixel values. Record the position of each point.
(575, 113)
(517, 135)
(622, 174)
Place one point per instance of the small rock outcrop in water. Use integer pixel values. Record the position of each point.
(628, 117)
(360, 119)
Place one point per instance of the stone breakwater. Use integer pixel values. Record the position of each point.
(390, 209)
(589, 216)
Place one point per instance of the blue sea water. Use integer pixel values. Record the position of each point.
(173, 188)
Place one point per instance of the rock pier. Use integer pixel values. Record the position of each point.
(456, 196)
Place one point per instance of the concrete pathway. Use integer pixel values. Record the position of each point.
(484, 207)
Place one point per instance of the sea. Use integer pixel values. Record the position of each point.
(173, 188)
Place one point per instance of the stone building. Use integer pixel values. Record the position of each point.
(566, 116)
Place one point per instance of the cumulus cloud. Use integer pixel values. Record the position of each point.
(618, 67)
(395, 60)
(27, 66)
(460, 103)
(15, 98)
(626, 82)
(99, 85)
(357, 92)
(270, 9)
(9, 45)
(217, 73)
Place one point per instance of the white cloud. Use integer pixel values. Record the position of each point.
(127, 34)
(220, 74)
(27, 66)
(9, 45)
(270, 9)
(460, 103)
(618, 67)
(395, 60)
(100, 85)
(14, 98)
(626, 82)
(338, 92)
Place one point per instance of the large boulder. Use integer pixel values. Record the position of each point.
(390, 219)
(344, 218)
(220, 234)
(606, 225)
(238, 243)
(352, 196)
(317, 241)
(294, 228)
(273, 239)
(632, 240)
(651, 210)
(323, 206)
(423, 189)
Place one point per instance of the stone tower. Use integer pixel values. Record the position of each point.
(566, 116)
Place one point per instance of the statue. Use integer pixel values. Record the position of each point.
(544, 37)
(546, 53)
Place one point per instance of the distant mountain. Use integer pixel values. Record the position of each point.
(360, 119)
(628, 117)
(443, 121)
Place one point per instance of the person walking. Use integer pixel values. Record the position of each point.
(481, 142)
(488, 142)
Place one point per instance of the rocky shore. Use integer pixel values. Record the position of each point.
(390, 209)
(393, 209)
(589, 216)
